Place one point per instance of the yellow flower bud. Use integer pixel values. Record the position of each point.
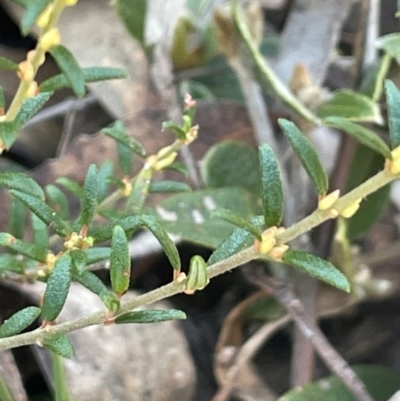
(44, 17)
(126, 191)
(329, 200)
(70, 3)
(278, 251)
(165, 162)
(191, 135)
(351, 210)
(267, 240)
(51, 261)
(26, 71)
(33, 90)
(50, 39)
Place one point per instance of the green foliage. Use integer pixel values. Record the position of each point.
(89, 197)
(197, 277)
(393, 102)
(59, 344)
(32, 12)
(150, 316)
(7, 64)
(19, 321)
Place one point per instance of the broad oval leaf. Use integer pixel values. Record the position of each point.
(362, 134)
(32, 251)
(44, 212)
(271, 186)
(30, 107)
(239, 221)
(79, 260)
(89, 196)
(163, 238)
(120, 261)
(92, 74)
(317, 267)
(70, 67)
(119, 132)
(8, 64)
(393, 103)
(19, 321)
(167, 186)
(307, 154)
(59, 344)
(32, 12)
(351, 105)
(21, 182)
(57, 288)
(379, 381)
(391, 44)
(150, 316)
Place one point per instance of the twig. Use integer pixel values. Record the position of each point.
(321, 344)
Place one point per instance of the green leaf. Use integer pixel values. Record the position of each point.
(8, 132)
(175, 128)
(393, 103)
(271, 186)
(57, 288)
(198, 276)
(362, 134)
(188, 215)
(140, 190)
(8, 64)
(70, 67)
(150, 316)
(61, 392)
(89, 196)
(125, 159)
(33, 11)
(232, 164)
(59, 344)
(133, 15)
(166, 186)
(92, 74)
(317, 267)
(239, 221)
(79, 260)
(30, 250)
(120, 261)
(40, 232)
(307, 154)
(17, 219)
(44, 212)
(163, 238)
(30, 107)
(19, 321)
(119, 132)
(71, 185)
(103, 179)
(391, 44)
(351, 105)
(2, 99)
(238, 240)
(97, 254)
(380, 382)
(11, 263)
(365, 164)
(179, 167)
(95, 285)
(21, 182)
(58, 201)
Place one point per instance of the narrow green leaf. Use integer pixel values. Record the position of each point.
(103, 179)
(70, 67)
(58, 201)
(71, 185)
(175, 128)
(120, 261)
(79, 260)
(150, 316)
(40, 232)
(17, 219)
(61, 392)
(351, 105)
(119, 132)
(19, 321)
(393, 103)
(236, 219)
(166, 242)
(44, 212)
(362, 134)
(92, 74)
(166, 186)
(307, 154)
(30, 107)
(89, 197)
(239, 239)
(59, 344)
(391, 44)
(125, 159)
(179, 167)
(271, 184)
(11, 263)
(9, 132)
(97, 254)
(57, 288)
(133, 15)
(30, 250)
(21, 182)
(140, 190)
(317, 267)
(33, 11)
(8, 64)
(95, 285)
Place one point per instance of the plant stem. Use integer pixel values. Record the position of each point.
(60, 381)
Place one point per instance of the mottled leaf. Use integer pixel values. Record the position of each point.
(166, 186)
(59, 344)
(21, 182)
(89, 196)
(120, 261)
(151, 316)
(393, 103)
(19, 321)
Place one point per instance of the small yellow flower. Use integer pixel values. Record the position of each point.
(329, 200)
(165, 162)
(50, 39)
(351, 210)
(33, 90)
(127, 189)
(51, 260)
(278, 251)
(268, 240)
(26, 71)
(191, 135)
